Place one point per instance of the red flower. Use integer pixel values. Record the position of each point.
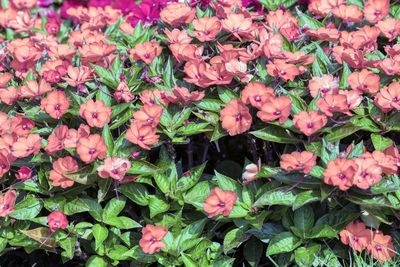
(24, 173)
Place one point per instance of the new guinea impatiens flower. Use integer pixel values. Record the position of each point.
(348, 13)
(9, 95)
(219, 202)
(368, 173)
(251, 171)
(356, 235)
(323, 85)
(177, 14)
(56, 104)
(376, 10)
(33, 89)
(309, 122)
(55, 141)
(330, 104)
(142, 135)
(24, 173)
(152, 236)
(57, 220)
(26, 146)
(280, 69)
(364, 81)
(235, 117)
(182, 95)
(340, 172)
(4, 161)
(122, 93)
(275, 108)
(256, 94)
(148, 115)
(381, 247)
(61, 167)
(114, 167)
(77, 75)
(96, 114)
(298, 161)
(387, 162)
(7, 202)
(388, 97)
(390, 28)
(206, 28)
(146, 52)
(91, 148)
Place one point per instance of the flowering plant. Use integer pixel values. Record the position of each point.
(204, 133)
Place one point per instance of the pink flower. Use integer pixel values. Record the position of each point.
(7, 202)
(57, 220)
(24, 173)
(114, 167)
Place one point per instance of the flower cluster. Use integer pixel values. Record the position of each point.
(128, 128)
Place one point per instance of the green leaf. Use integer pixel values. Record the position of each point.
(96, 261)
(168, 74)
(197, 194)
(305, 197)
(283, 242)
(68, 245)
(278, 196)
(322, 231)
(340, 132)
(305, 256)
(226, 183)
(27, 209)
(345, 74)
(308, 21)
(100, 234)
(252, 251)
(108, 139)
(122, 222)
(226, 94)
(79, 205)
(135, 192)
(381, 143)
(193, 128)
(275, 134)
(143, 167)
(106, 77)
(209, 104)
(187, 182)
(317, 171)
(157, 205)
(233, 239)
(304, 218)
(162, 181)
(113, 208)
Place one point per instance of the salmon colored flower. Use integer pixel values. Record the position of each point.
(152, 237)
(276, 108)
(7, 202)
(330, 104)
(238, 24)
(279, 68)
(114, 167)
(32, 89)
(21, 126)
(177, 14)
(6, 143)
(123, 94)
(235, 117)
(61, 167)
(25, 146)
(23, 4)
(55, 104)
(309, 122)
(387, 162)
(73, 136)
(149, 115)
(186, 52)
(219, 202)
(381, 247)
(251, 171)
(57, 220)
(143, 136)
(206, 28)
(9, 95)
(298, 161)
(151, 97)
(388, 97)
(177, 36)
(5, 78)
(96, 114)
(4, 162)
(364, 81)
(348, 13)
(390, 28)
(146, 52)
(182, 95)
(376, 10)
(368, 173)
(356, 236)
(256, 94)
(24, 173)
(340, 172)
(391, 151)
(91, 147)
(78, 75)
(324, 85)
(195, 70)
(353, 98)
(325, 34)
(55, 141)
